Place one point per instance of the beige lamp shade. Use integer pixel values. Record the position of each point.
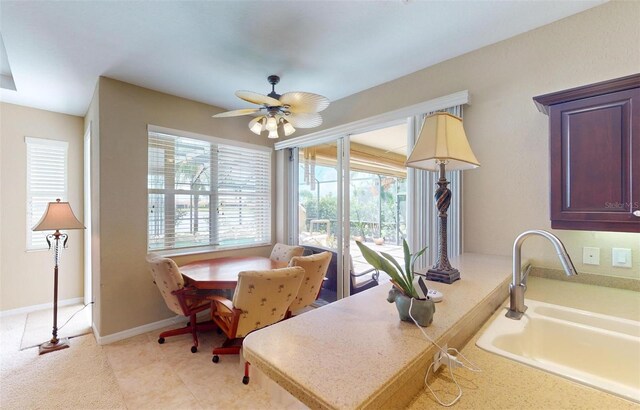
(442, 139)
(58, 216)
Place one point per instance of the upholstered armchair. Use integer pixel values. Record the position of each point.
(284, 253)
(315, 268)
(261, 299)
(181, 300)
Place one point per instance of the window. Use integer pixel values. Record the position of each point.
(209, 194)
(46, 181)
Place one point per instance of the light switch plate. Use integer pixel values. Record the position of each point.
(591, 256)
(621, 257)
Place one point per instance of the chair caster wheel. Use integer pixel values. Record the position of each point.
(194, 349)
(215, 359)
(245, 380)
(188, 324)
(219, 331)
(161, 340)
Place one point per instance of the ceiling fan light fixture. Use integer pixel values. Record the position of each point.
(287, 128)
(258, 126)
(273, 134)
(272, 125)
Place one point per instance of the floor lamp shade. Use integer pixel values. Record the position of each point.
(58, 215)
(442, 143)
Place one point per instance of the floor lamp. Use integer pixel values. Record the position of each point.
(442, 142)
(57, 216)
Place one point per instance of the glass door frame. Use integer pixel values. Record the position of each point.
(342, 211)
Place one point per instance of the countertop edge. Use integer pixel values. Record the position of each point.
(401, 387)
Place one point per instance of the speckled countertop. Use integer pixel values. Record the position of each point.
(505, 384)
(355, 353)
(350, 354)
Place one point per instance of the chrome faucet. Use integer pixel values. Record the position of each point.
(519, 282)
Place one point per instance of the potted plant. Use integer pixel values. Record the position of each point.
(403, 290)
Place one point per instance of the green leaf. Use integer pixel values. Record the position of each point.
(407, 263)
(380, 263)
(407, 256)
(416, 256)
(392, 260)
(405, 282)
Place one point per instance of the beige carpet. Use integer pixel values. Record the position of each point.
(136, 373)
(76, 378)
(39, 324)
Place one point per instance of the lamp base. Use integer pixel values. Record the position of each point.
(49, 346)
(445, 276)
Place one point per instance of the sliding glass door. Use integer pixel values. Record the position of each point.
(378, 199)
(349, 189)
(320, 209)
(350, 184)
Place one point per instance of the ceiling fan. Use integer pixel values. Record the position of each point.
(280, 114)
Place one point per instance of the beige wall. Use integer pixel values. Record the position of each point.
(26, 278)
(128, 297)
(510, 192)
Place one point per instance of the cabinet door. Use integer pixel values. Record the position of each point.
(595, 162)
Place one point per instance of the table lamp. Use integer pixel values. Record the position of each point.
(57, 216)
(442, 142)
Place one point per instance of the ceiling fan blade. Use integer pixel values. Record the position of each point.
(302, 102)
(304, 120)
(257, 98)
(236, 113)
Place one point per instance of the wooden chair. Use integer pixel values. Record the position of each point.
(315, 268)
(261, 299)
(184, 301)
(284, 253)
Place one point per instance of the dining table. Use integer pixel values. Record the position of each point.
(222, 273)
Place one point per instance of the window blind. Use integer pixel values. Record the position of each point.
(46, 181)
(207, 194)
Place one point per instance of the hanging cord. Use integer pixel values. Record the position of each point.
(470, 365)
(80, 310)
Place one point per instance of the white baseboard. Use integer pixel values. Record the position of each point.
(33, 308)
(125, 334)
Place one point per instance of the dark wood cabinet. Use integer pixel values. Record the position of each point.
(594, 146)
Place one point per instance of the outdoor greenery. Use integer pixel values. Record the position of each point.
(324, 207)
(373, 205)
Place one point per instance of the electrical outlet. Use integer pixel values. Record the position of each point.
(440, 358)
(621, 257)
(591, 256)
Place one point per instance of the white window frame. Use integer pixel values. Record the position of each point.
(213, 192)
(52, 195)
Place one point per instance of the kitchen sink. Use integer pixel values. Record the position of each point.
(593, 349)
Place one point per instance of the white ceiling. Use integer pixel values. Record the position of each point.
(205, 50)
(390, 139)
